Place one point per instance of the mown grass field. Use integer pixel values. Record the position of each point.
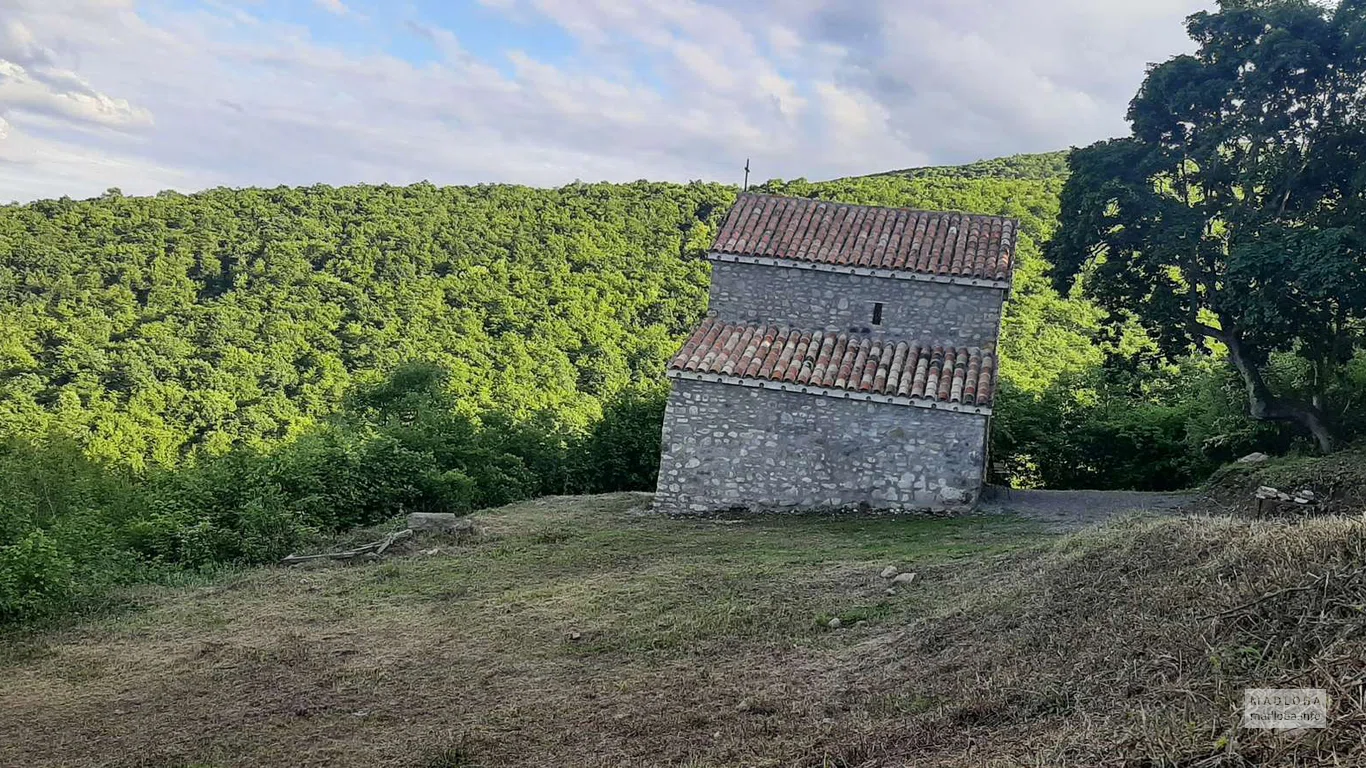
(577, 631)
(588, 632)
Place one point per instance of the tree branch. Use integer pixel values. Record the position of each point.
(1206, 329)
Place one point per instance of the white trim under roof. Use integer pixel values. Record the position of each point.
(788, 386)
(895, 274)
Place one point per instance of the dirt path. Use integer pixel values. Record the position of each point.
(1068, 510)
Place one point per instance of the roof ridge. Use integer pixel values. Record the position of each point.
(826, 201)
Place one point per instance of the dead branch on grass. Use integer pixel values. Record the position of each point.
(1318, 582)
(373, 550)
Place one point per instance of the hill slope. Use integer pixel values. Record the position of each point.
(149, 329)
(1047, 166)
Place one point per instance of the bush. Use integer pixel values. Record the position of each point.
(70, 526)
(35, 578)
(1154, 429)
(622, 451)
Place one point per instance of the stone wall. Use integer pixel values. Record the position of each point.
(818, 300)
(728, 446)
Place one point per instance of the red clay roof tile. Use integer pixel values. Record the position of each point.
(934, 243)
(841, 361)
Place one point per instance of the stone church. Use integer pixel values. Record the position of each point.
(847, 361)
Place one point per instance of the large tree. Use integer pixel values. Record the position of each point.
(1234, 212)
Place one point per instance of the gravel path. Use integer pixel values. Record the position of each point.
(1075, 509)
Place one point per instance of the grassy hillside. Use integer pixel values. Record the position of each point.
(578, 632)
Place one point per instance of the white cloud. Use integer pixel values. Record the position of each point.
(31, 83)
(850, 114)
(334, 6)
(783, 92)
(700, 62)
(64, 94)
(785, 43)
(958, 76)
(32, 167)
(96, 93)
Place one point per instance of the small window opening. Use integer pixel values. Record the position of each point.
(877, 314)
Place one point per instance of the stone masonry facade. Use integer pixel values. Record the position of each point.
(733, 447)
(847, 362)
(808, 298)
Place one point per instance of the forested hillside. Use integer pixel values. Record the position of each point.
(218, 377)
(1048, 166)
(149, 328)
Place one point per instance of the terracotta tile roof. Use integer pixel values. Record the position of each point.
(841, 361)
(816, 231)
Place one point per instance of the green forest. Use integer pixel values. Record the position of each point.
(193, 381)
(156, 333)
(190, 380)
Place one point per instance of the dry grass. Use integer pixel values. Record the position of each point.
(580, 632)
(1131, 645)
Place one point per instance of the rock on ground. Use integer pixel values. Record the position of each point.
(441, 522)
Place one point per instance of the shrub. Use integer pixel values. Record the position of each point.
(35, 578)
(1112, 428)
(621, 453)
(70, 526)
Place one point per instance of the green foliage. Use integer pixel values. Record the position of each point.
(1089, 431)
(1231, 217)
(622, 450)
(71, 526)
(401, 446)
(1041, 167)
(153, 329)
(35, 577)
(58, 513)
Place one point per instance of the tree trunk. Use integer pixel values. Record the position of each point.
(1266, 406)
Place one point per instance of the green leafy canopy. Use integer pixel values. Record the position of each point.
(1234, 212)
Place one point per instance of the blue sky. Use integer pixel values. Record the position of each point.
(147, 95)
